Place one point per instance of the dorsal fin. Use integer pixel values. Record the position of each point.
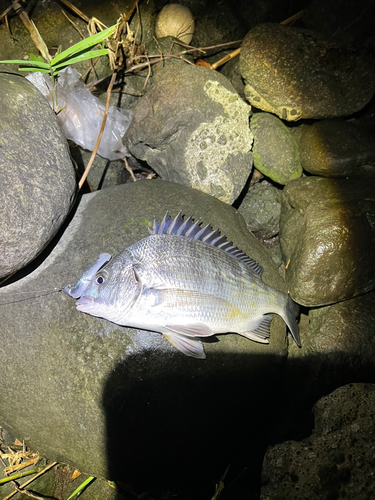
(180, 227)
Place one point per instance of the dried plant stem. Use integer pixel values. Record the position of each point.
(129, 169)
(22, 14)
(92, 158)
(76, 11)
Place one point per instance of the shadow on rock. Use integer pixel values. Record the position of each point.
(174, 424)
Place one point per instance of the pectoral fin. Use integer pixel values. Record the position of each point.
(191, 330)
(189, 346)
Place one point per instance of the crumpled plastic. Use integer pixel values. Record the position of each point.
(82, 113)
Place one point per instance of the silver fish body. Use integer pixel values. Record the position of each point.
(187, 283)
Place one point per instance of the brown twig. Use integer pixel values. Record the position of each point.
(75, 10)
(109, 90)
(22, 14)
(235, 53)
(129, 169)
(4, 14)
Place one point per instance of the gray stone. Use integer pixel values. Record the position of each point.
(261, 208)
(336, 461)
(333, 148)
(36, 175)
(296, 73)
(192, 128)
(327, 235)
(99, 395)
(337, 346)
(275, 150)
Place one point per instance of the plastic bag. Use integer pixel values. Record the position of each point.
(82, 115)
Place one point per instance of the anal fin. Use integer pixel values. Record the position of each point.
(189, 346)
(261, 333)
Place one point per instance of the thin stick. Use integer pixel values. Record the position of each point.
(226, 58)
(92, 158)
(20, 488)
(8, 9)
(129, 169)
(76, 11)
(22, 14)
(293, 18)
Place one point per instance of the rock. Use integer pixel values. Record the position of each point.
(327, 237)
(231, 70)
(192, 128)
(36, 175)
(338, 346)
(336, 461)
(332, 148)
(297, 73)
(275, 152)
(261, 208)
(99, 395)
(335, 21)
(175, 20)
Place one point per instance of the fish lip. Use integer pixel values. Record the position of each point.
(83, 303)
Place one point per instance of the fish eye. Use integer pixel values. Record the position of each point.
(99, 279)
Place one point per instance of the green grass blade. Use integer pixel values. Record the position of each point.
(81, 487)
(34, 70)
(45, 52)
(83, 45)
(36, 58)
(19, 475)
(38, 64)
(82, 57)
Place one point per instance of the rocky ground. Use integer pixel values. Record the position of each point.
(276, 148)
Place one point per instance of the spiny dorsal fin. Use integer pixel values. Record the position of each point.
(180, 227)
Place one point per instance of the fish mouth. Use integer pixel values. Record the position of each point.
(85, 303)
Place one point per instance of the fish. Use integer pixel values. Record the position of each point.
(187, 282)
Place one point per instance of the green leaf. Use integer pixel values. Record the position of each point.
(34, 70)
(80, 487)
(36, 58)
(84, 45)
(82, 57)
(45, 52)
(39, 64)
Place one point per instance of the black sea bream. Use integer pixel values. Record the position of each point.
(187, 283)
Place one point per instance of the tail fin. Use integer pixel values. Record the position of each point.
(292, 311)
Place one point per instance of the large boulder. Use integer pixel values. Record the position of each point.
(296, 73)
(109, 399)
(36, 174)
(192, 128)
(336, 461)
(333, 148)
(327, 235)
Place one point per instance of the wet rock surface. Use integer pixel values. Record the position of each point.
(333, 148)
(105, 387)
(275, 150)
(192, 128)
(261, 209)
(336, 461)
(36, 175)
(327, 236)
(296, 73)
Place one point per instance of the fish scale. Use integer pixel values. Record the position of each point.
(186, 282)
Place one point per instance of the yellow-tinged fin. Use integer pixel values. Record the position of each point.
(261, 333)
(192, 347)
